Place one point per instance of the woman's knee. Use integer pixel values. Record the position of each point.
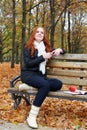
(55, 84)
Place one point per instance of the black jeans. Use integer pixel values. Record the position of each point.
(44, 85)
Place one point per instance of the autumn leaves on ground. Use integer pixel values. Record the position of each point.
(58, 113)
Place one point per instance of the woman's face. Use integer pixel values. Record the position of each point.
(39, 34)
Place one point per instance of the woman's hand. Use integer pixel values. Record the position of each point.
(47, 55)
(57, 51)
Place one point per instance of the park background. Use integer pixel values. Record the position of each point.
(66, 25)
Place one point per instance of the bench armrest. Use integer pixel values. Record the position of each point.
(15, 80)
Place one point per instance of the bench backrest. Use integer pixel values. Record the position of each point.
(70, 68)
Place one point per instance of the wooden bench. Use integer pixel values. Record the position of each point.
(71, 69)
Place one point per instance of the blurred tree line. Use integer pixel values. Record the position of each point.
(65, 22)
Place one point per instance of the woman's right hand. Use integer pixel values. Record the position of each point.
(47, 55)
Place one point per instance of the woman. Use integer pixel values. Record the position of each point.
(36, 54)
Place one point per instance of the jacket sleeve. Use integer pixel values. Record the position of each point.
(31, 61)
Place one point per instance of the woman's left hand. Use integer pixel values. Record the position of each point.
(57, 51)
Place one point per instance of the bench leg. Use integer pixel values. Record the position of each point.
(18, 99)
(17, 102)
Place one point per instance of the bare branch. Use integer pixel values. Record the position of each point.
(36, 5)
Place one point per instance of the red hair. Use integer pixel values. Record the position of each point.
(30, 42)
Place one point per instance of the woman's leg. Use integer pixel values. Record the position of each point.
(43, 88)
(55, 84)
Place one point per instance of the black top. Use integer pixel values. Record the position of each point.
(31, 64)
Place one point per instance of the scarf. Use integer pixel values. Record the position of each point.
(41, 49)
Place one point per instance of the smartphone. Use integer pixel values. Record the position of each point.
(53, 52)
(63, 52)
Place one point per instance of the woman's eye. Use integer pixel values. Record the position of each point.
(37, 31)
(40, 32)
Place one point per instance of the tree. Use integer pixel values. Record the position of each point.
(52, 11)
(13, 35)
(62, 28)
(23, 29)
(30, 19)
(1, 57)
(69, 43)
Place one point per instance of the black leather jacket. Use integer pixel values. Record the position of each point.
(31, 64)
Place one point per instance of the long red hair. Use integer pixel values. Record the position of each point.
(30, 42)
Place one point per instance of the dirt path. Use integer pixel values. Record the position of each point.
(21, 126)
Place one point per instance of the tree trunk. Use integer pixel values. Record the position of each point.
(52, 10)
(1, 56)
(13, 36)
(69, 43)
(23, 29)
(29, 23)
(37, 16)
(62, 29)
(17, 54)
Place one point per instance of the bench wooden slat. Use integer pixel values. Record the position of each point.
(61, 72)
(78, 57)
(61, 64)
(61, 93)
(57, 94)
(73, 81)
